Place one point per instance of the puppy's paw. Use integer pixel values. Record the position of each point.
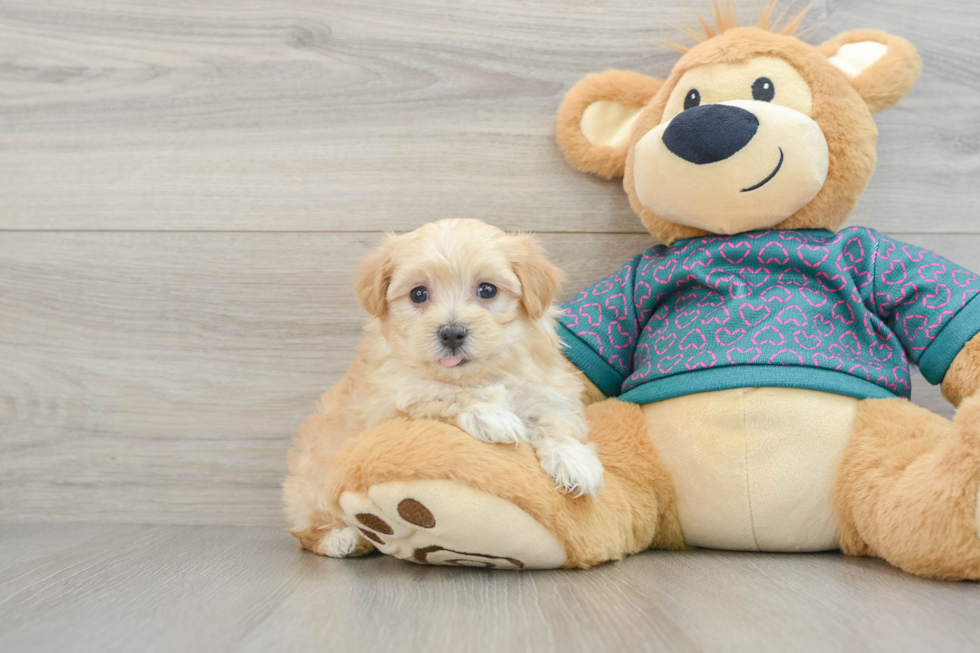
(343, 543)
(492, 423)
(574, 465)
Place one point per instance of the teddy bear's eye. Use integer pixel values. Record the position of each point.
(692, 99)
(763, 89)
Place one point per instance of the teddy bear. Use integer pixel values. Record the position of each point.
(747, 379)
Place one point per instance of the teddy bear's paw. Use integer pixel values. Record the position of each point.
(445, 523)
(574, 465)
(492, 423)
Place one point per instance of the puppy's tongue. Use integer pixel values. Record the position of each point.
(450, 361)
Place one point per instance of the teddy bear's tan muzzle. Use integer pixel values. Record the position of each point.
(734, 166)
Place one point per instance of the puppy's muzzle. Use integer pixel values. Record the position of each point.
(453, 336)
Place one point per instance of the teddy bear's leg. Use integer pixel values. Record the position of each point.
(907, 488)
(427, 492)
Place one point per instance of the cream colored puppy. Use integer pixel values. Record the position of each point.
(463, 332)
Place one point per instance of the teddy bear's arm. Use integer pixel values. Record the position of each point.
(962, 379)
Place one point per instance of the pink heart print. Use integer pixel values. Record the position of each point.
(726, 336)
(813, 256)
(735, 253)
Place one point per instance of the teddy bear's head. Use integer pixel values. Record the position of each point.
(753, 128)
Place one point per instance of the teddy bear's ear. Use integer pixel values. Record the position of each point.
(596, 118)
(881, 67)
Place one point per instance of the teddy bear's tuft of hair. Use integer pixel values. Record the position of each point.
(725, 15)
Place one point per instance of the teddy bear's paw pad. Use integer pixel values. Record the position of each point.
(445, 523)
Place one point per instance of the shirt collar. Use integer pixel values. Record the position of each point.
(826, 232)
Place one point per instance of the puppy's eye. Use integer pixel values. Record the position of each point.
(419, 294)
(692, 99)
(763, 89)
(486, 291)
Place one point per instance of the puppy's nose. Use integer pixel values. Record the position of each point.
(452, 336)
(710, 132)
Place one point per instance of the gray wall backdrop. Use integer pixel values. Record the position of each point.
(186, 187)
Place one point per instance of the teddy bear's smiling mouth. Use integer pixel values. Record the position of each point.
(771, 174)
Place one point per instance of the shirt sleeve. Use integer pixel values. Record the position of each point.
(599, 328)
(927, 301)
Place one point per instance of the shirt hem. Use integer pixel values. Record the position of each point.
(937, 358)
(756, 376)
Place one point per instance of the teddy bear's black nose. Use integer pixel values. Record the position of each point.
(710, 132)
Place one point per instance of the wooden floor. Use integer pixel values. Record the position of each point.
(185, 189)
(105, 588)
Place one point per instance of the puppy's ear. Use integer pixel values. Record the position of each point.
(881, 67)
(596, 118)
(539, 277)
(373, 280)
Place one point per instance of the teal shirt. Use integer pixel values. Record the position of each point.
(837, 312)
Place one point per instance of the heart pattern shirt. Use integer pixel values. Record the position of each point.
(841, 312)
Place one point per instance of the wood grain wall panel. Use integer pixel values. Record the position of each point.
(157, 377)
(186, 188)
(365, 115)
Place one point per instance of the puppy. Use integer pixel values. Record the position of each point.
(463, 332)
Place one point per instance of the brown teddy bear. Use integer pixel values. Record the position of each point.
(759, 357)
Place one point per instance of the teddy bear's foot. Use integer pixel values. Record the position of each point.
(908, 489)
(440, 522)
(427, 492)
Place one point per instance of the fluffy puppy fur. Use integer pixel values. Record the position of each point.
(463, 332)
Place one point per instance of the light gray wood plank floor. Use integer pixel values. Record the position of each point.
(102, 588)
